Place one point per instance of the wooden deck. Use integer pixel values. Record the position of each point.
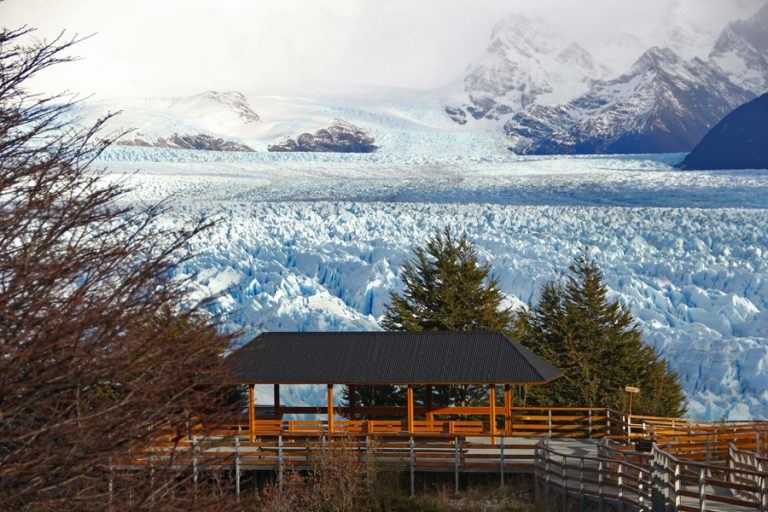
(586, 455)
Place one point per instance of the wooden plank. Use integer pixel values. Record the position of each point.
(251, 413)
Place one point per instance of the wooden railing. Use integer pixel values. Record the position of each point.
(698, 467)
(522, 422)
(598, 478)
(690, 465)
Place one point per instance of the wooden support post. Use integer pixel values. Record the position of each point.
(277, 402)
(351, 400)
(492, 411)
(507, 409)
(251, 415)
(428, 403)
(330, 408)
(410, 408)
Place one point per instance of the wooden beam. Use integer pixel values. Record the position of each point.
(410, 409)
(276, 402)
(507, 409)
(330, 408)
(428, 403)
(492, 410)
(251, 415)
(351, 400)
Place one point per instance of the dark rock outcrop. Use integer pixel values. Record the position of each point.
(739, 141)
(340, 137)
(199, 141)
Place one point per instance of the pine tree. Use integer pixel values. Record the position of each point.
(446, 288)
(597, 344)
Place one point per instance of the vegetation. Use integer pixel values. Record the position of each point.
(98, 351)
(341, 481)
(597, 344)
(445, 288)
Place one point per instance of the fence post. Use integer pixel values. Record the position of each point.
(763, 495)
(549, 423)
(412, 462)
(620, 485)
(708, 448)
(677, 497)
(582, 497)
(565, 482)
(194, 464)
(590, 423)
(456, 464)
(640, 492)
(537, 474)
(702, 494)
(237, 468)
(280, 461)
(501, 463)
(608, 422)
(368, 461)
(600, 485)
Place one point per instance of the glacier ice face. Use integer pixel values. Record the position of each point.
(284, 257)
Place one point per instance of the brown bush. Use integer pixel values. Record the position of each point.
(98, 349)
(342, 478)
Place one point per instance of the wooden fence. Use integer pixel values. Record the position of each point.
(688, 465)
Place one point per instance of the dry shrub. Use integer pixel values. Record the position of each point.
(342, 478)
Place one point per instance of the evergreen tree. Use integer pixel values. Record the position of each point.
(446, 288)
(597, 345)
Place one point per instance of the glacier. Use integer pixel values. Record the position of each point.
(315, 242)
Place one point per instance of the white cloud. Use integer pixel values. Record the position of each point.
(151, 47)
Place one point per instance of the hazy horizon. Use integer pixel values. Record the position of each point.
(187, 46)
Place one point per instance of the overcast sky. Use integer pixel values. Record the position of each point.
(174, 47)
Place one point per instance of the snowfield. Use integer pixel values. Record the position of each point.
(314, 242)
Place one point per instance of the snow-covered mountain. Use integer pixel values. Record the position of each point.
(555, 97)
(534, 90)
(528, 61)
(211, 120)
(742, 52)
(663, 104)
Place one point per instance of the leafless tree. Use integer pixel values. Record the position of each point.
(98, 352)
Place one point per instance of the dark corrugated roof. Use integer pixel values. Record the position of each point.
(387, 358)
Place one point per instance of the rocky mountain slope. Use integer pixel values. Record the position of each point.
(739, 141)
(663, 104)
(340, 137)
(198, 141)
(742, 52)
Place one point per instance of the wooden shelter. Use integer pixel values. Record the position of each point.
(408, 359)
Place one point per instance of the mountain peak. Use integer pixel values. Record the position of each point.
(655, 57)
